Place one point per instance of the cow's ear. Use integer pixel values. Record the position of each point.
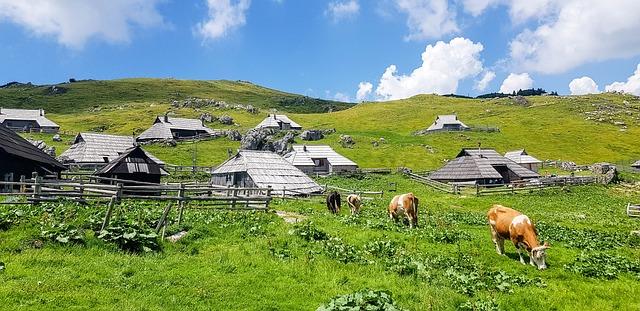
(546, 244)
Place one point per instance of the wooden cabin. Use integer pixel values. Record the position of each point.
(167, 127)
(445, 123)
(134, 164)
(279, 122)
(524, 159)
(320, 159)
(27, 120)
(92, 150)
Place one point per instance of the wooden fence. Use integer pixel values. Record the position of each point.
(516, 187)
(363, 193)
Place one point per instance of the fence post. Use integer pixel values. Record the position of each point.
(235, 195)
(81, 188)
(37, 187)
(477, 190)
(181, 203)
(23, 187)
(266, 202)
(107, 216)
(284, 190)
(163, 219)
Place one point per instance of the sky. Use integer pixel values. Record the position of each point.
(348, 50)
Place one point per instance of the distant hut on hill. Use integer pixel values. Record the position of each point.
(18, 157)
(447, 123)
(27, 120)
(319, 159)
(524, 159)
(166, 127)
(251, 168)
(279, 122)
(482, 166)
(636, 165)
(134, 164)
(96, 150)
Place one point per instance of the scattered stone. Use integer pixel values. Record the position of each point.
(374, 143)
(264, 139)
(177, 236)
(57, 138)
(234, 135)
(55, 90)
(290, 217)
(226, 120)
(312, 135)
(206, 117)
(520, 100)
(346, 141)
(51, 151)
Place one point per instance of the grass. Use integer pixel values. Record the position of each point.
(247, 261)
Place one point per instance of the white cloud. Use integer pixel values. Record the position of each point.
(443, 66)
(428, 18)
(476, 7)
(631, 86)
(515, 82)
(224, 16)
(574, 32)
(339, 10)
(582, 86)
(74, 22)
(342, 97)
(482, 84)
(364, 89)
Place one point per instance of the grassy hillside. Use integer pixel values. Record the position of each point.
(584, 129)
(88, 94)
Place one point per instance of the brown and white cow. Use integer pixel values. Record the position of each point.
(355, 202)
(507, 223)
(405, 205)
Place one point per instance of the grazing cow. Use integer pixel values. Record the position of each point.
(333, 202)
(507, 223)
(404, 205)
(355, 203)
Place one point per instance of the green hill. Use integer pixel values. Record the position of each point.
(583, 129)
(87, 94)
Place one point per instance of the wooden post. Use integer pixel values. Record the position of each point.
(23, 186)
(477, 190)
(163, 219)
(181, 203)
(235, 195)
(81, 188)
(37, 186)
(266, 203)
(107, 216)
(119, 192)
(284, 190)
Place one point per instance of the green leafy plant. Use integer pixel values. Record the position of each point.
(365, 299)
(479, 305)
(63, 233)
(603, 265)
(308, 232)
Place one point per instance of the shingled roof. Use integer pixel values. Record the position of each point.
(268, 169)
(466, 168)
(303, 156)
(13, 144)
(495, 158)
(636, 164)
(442, 121)
(133, 160)
(95, 148)
(164, 125)
(36, 115)
(277, 121)
(521, 157)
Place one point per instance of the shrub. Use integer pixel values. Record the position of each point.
(10, 218)
(338, 250)
(479, 305)
(131, 237)
(63, 233)
(381, 248)
(308, 232)
(362, 300)
(603, 265)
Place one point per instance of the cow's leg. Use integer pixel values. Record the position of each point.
(519, 249)
(497, 240)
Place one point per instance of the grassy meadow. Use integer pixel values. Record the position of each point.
(256, 261)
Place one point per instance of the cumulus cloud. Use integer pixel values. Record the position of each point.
(74, 22)
(342, 97)
(224, 16)
(477, 7)
(443, 66)
(339, 10)
(364, 89)
(632, 85)
(574, 32)
(428, 18)
(515, 82)
(582, 86)
(482, 84)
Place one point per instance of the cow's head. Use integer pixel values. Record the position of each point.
(538, 255)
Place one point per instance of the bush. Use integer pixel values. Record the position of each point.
(345, 253)
(479, 305)
(131, 237)
(381, 248)
(63, 233)
(308, 232)
(9, 219)
(603, 265)
(362, 300)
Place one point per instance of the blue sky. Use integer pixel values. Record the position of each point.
(328, 48)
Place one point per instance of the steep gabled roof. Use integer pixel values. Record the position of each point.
(36, 115)
(162, 126)
(466, 168)
(133, 160)
(304, 155)
(274, 120)
(13, 144)
(636, 164)
(442, 120)
(94, 148)
(495, 158)
(521, 157)
(268, 169)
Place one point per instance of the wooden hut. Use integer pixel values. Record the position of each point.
(319, 159)
(91, 150)
(27, 120)
(279, 122)
(482, 166)
(636, 165)
(524, 159)
(134, 164)
(166, 127)
(447, 123)
(18, 157)
(262, 169)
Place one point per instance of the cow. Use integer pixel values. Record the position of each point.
(507, 223)
(333, 202)
(355, 202)
(404, 205)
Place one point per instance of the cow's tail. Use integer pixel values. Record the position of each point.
(415, 206)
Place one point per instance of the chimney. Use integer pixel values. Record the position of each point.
(304, 148)
(274, 116)
(41, 112)
(166, 117)
(0, 110)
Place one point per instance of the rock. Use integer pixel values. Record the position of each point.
(225, 119)
(251, 109)
(206, 117)
(520, 100)
(601, 168)
(57, 137)
(619, 123)
(374, 143)
(283, 145)
(55, 90)
(234, 135)
(346, 141)
(256, 139)
(51, 151)
(176, 237)
(328, 131)
(382, 140)
(312, 135)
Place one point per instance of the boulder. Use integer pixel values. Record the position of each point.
(225, 119)
(520, 100)
(57, 137)
(51, 151)
(55, 90)
(346, 141)
(206, 117)
(234, 135)
(312, 135)
(263, 139)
